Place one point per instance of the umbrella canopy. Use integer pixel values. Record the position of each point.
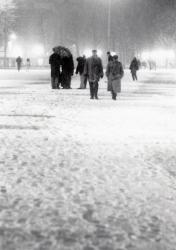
(63, 51)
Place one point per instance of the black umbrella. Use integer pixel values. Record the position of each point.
(63, 51)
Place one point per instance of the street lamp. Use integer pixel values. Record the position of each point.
(109, 24)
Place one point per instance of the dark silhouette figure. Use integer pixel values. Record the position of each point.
(80, 70)
(55, 63)
(19, 63)
(67, 71)
(28, 63)
(134, 67)
(94, 71)
(110, 57)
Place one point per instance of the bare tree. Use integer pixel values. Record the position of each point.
(7, 16)
(135, 25)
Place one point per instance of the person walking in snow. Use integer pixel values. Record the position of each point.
(94, 71)
(28, 63)
(110, 58)
(134, 67)
(114, 73)
(80, 70)
(55, 63)
(67, 70)
(19, 63)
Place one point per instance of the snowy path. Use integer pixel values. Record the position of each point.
(80, 174)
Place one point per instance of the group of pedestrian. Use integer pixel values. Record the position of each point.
(90, 69)
(62, 68)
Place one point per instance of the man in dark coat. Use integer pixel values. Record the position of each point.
(55, 62)
(67, 71)
(80, 70)
(94, 71)
(134, 67)
(19, 62)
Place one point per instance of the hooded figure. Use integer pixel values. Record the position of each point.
(134, 67)
(94, 71)
(114, 73)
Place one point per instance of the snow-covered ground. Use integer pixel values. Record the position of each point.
(81, 174)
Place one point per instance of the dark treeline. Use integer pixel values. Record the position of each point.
(135, 24)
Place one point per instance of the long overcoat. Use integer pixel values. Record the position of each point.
(55, 62)
(93, 69)
(114, 73)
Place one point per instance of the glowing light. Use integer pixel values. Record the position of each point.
(171, 54)
(113, 53)
(13, 37)
(88, 52)
(40, 61)
(160, 56)
(38, 50)
(145, 55)
(99, 52)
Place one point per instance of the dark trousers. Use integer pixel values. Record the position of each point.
(93, 89)
(134, 75)
(66, 80)
(54, 82)
(55, 77)
(18, 66)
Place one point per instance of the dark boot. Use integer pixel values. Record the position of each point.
(114, 95)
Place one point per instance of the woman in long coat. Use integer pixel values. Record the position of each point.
(114, 73)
